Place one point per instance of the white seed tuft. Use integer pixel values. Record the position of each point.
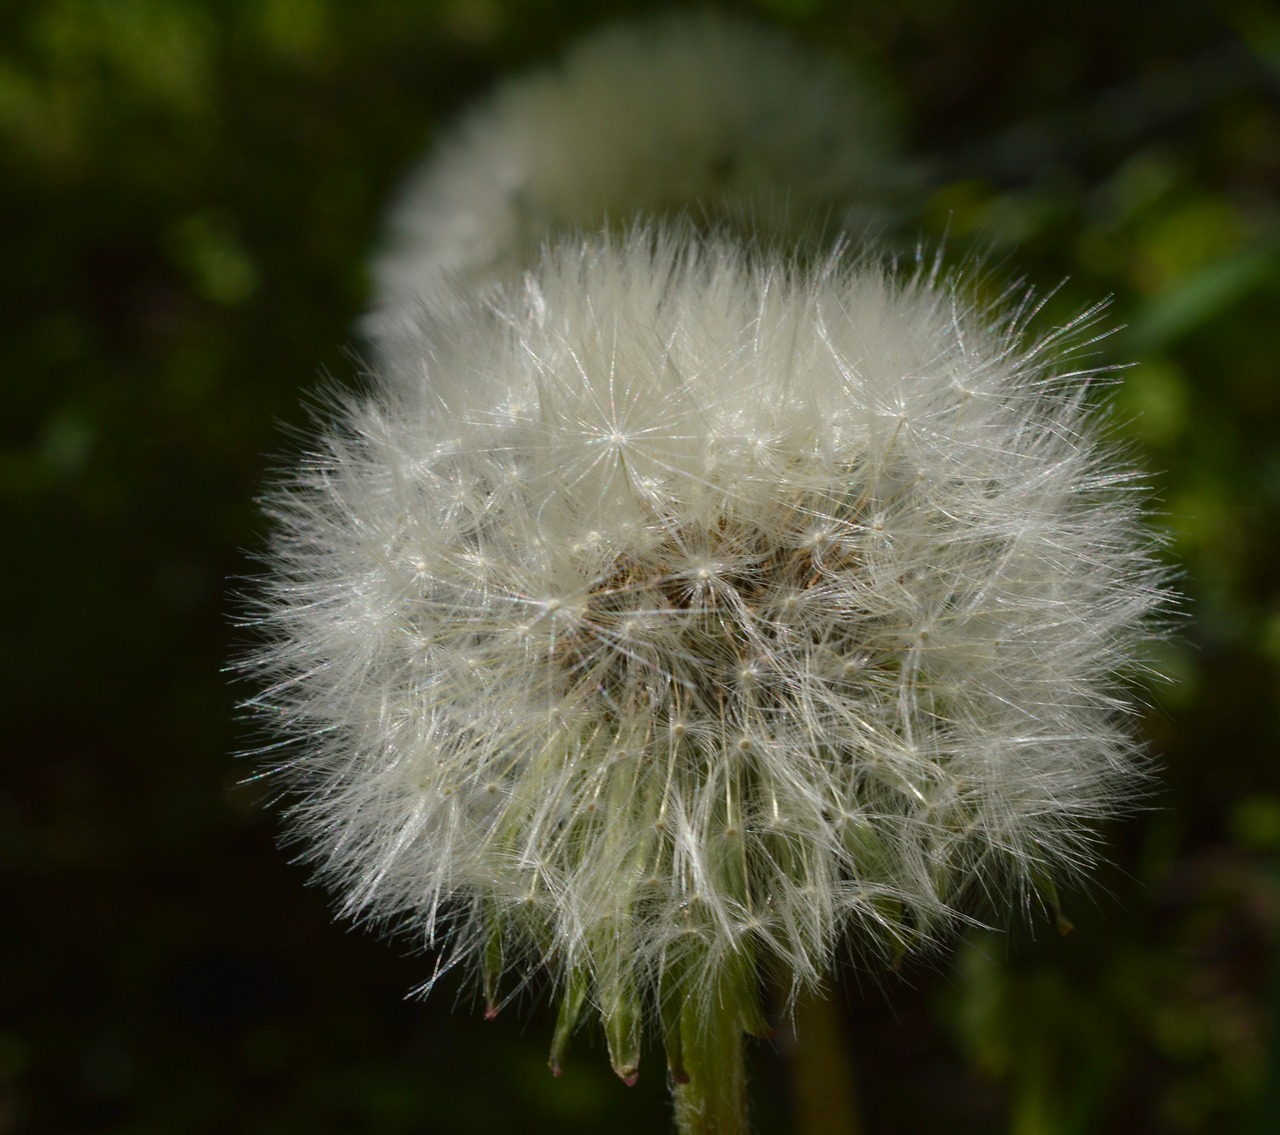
(696, 113)
(676, 605)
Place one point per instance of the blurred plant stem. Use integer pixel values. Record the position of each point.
(822, 1071)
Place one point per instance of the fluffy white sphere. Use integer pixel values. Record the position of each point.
(675, 605)
(690, 112)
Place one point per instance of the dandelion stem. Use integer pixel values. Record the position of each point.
(714, 1100)
(822, 1072)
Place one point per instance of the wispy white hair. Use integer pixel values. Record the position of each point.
(690, 113)
(672, 605)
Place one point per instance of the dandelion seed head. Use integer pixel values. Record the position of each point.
(696, 111)
(697, 606)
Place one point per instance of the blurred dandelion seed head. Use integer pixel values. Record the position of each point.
(690, 113)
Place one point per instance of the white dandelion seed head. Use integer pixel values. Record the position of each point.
(690, 111)
(672, 606)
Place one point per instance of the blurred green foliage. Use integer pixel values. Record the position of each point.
(190, 189)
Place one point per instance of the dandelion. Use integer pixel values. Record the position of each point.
(692, 111)
(678, 608)
(677, 613)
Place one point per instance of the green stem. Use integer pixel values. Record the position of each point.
(714, 1100)
(821, 1071)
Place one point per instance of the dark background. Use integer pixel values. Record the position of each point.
(188, 193)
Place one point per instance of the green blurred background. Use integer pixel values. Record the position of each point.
(189, 190)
